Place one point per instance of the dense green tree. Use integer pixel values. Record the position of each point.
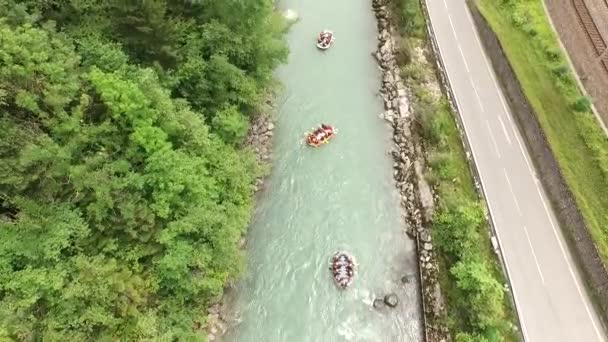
(123, 187)
(214, 53)
(483, 293)
(456, 228)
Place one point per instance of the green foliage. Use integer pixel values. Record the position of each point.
(581, 104)
(457, 227)
(122, 192)
(410, 18)
(230, 125)
(483, 292)
(464, 337)
(36, 80)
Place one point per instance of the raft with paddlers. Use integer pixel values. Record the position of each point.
(321, 135)
(325, 39)
(343, 267)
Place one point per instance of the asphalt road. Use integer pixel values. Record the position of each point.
(550, 298)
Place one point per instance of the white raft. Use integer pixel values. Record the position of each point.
(321, 45)
(340, 273)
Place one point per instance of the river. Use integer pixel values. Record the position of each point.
(317, 201)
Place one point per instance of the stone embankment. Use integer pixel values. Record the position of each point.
(259, 138)
(416, 195)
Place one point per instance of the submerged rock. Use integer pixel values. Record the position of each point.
(378, 303)
(391, 300)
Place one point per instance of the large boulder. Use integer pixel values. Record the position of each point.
(391, 300)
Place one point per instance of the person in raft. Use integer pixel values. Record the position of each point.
(324, 38)
(320, 134)
(327, 129)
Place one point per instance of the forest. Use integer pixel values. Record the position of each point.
(124, 182)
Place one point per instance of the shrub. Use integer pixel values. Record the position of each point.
(582, 104)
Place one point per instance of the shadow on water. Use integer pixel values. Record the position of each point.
(339, 196)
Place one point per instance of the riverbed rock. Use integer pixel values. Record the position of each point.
(396, 104)
(401, 92)
(406, 279)
(389, 115)
(425, 236)
(391, 300)
(378, 57)
(387, 104)
(378, 303)
(411, 233)
(388, 78)
(427, 246)
(404, 108)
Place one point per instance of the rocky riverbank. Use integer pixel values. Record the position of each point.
(259, 138)
(409, 164)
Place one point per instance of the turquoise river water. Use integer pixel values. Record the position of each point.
(317, 201)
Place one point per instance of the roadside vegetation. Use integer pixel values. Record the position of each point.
(576, 138)
(124, 188)
(470, 276)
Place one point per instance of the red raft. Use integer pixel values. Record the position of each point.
(321, 135)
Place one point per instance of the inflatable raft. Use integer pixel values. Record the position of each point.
(325, 39)
(322, 135)
(343, 267)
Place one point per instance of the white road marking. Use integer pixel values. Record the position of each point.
(490, 70)
(561, 247)
(466, 66)
(542, 279)
(476, 92)
(492, 138)
(525, 155)
(508, 115)
(504, 129)
(512, 192)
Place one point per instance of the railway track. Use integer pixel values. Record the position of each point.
(593, 34)
(589, 25)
